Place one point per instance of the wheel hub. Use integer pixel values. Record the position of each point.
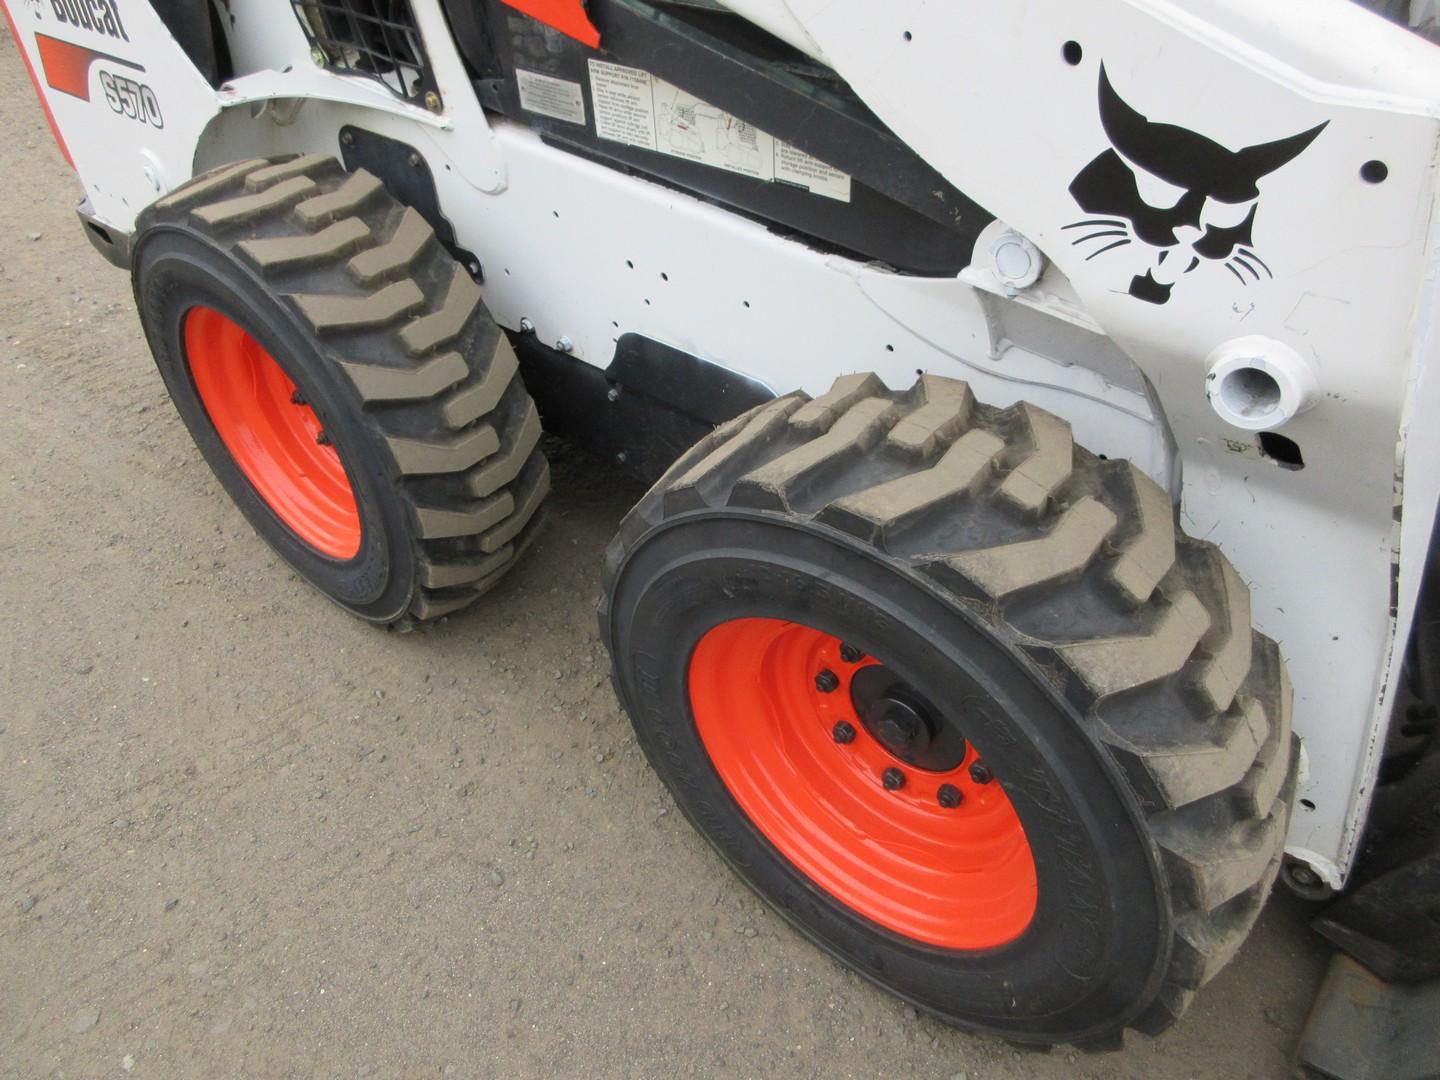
(903, 722)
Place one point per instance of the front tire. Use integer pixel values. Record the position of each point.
(340, 375)
(1031, 608)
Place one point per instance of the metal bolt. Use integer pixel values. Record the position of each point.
(432, 101)
(526, 326)
(347, 138)
(318, 57)
(850, 654)
(473, 267)
(297, 398)
(613, 394)
(621, 457)
(323, 439)
(843, 732)
(826, 682)
(414, 160)
(949, 796)
(893, 779)
(565, 345)
(980, 772)
(1304, 876)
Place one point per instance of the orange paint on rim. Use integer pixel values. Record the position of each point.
(274, 437)
(959, 878)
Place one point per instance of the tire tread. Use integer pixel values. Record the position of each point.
(435, 380)
(1193, 705)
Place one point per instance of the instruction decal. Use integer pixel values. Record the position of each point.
(559, 99)
(636, 108)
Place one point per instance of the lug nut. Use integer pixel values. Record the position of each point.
(850, 654)
(893, 779)
(827, 682)
(843, 732)
(949, 796)
(980, 772)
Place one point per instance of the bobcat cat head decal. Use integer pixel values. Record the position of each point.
(1180, 193)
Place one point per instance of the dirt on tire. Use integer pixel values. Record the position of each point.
(1075, 562)
(432, 382)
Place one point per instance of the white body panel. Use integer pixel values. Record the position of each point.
(982, 93)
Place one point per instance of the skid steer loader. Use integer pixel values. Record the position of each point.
(1035, 398)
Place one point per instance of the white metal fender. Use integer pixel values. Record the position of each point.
(128, 104)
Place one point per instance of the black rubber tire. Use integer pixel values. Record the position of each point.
(385, 336)
(1139, 726)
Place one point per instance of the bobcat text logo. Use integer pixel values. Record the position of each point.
(1180, 195)
(102, 16)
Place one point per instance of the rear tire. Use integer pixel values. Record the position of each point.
(389, 350)
(1101, 662)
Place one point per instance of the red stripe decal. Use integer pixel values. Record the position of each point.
(567, 16)
(30, 70)
(67, 66)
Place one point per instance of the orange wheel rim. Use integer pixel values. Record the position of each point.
(272, 434)
(957, 876)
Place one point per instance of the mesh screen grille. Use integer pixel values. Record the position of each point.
(374, 38)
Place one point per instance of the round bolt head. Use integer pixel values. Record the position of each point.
(413, 159)
(526, 326)
(850, 654)
(432, 101)
(347, 137)
(613, 394)
(565, 345)
(843, 732)
(827, 682)
(980, 772)
(893, 779)
(621, 458)
(1015, 261)
(1303, 875)
(949, 796)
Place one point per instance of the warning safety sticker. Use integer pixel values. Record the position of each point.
(549, 96)
(636, 108)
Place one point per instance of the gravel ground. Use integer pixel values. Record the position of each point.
(243, 834)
